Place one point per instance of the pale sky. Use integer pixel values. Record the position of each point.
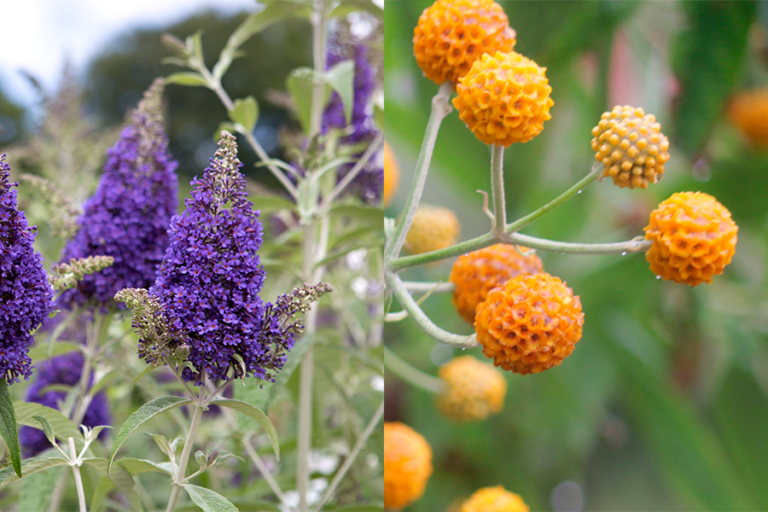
(39, 35)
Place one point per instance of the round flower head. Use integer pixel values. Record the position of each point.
(25, 294)
(452, 34)
(472, 390)
(391, 174)
(128, 216)
(477, 273)
(209, 281)
(433, 228)
(63, 370)
(494, 499)
(362, 127)
(407, 465)
(749, 113)
(693, 237)
(630, 146)
(504, 99)
(530, 324)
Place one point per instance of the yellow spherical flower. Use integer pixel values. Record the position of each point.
(472, 390)
(504, 98)
(749, 113)
(494, 499)
(433, 228)
(630, 146)
(477, 273)
(693, 237)
(407, 465)
(452, 34)
(391, 174)
(530, 324)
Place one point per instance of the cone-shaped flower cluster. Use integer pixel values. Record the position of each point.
(472, 390)
(209, 282)
(25, 295)
(452, 34)
(63, 370)
(128, 216)
(407, 465)
(494, 499)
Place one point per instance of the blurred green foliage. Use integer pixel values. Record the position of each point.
(664, 403)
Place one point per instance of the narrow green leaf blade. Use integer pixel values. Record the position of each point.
(120, 477)
(187, 78)
(29, 467)
(59, 348)
(208, 500)
(341, 78)
(47, 429)
(299, 84)
(62, 427)
(245, 113)
(8, 428)
(255, 414)
(139, 466)
(144, 413)
(36, 489)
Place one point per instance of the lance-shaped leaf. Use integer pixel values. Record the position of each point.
(341, 78)
(255, 414)
(8, 428)
(29, 467)
(62, 427)
(209, 500)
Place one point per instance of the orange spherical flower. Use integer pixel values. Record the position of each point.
(452, 34)
(407, 465)
(472, 390)
(748, 112)
(494, 499)
(477, 273)
(530, 324)
(433, 228)
(693, 237)
(504, 98)
(391, 174)
(630, 146)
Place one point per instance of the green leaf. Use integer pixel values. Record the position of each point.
(253, 24)
(8, 428)
(378, 116)
(255, 414)
(245, 113)
(162, 443)
(47, 429)
(62, 347)
(36, 489)
(188, 79)
(300, 84)
(209, 500)
(347, 6)
(369, 214)
(61, 425)
(144, 372)
(29, 467)
(717, 35)
(120, 477)
(270, 204)
(293, 361)
(144, 413)
(341, 78)
(101, 491)
(139, 466)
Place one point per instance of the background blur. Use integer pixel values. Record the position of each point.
(664, 403)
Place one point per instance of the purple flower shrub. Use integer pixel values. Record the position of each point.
(128, 216)
(65, 369)
(362, 128)
(26, 297)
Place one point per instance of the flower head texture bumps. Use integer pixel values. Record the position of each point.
(748, 112)
(477, 273)
(504, 99)
(407, 465)
(433, 228)
(391, 174)
(64, 370)
(530, 324)
(494, 499)
(694, 238)
(128, 216)
(630, 145)
(26, 297)
(209, 281)
(472, 390)
(452, 34)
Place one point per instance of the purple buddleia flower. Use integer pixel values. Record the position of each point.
(362, 128)
(128, 216)
(25, 294)
(209, 282)
(66, 370)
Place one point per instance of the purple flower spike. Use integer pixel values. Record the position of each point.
(209, 282)
(128, 216)
(65, 369)
(25, 294)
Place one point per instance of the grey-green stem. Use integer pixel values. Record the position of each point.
(408, 373)
(189, 442)
(497, 191)
(76, 473)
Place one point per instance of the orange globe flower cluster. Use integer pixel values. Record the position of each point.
(407, 465)
(494, 499)
(748, 112)
(472, 390)
(433, 228)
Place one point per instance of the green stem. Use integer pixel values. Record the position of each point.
(319, 29)
(78, 477)
(95, 336)
(497, 190)
(409, 304)
(189, 442)
(426, 287)
(410, 374)
(440, 108)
